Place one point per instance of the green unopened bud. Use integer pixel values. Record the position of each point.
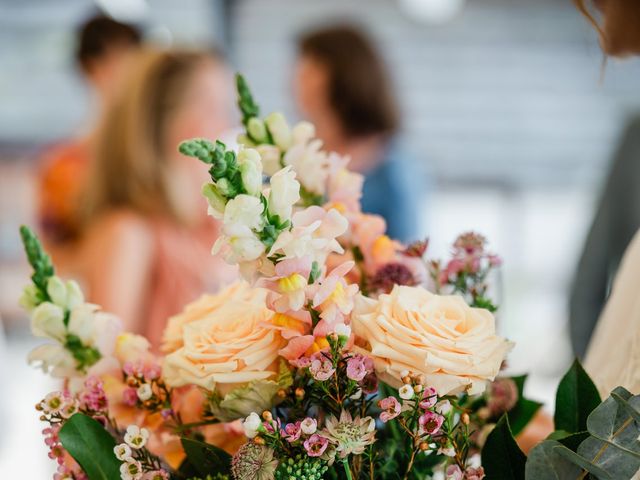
(217, 202)
(226, 188)
(244, 140)
(257, 130)
(30, 298)
(250, 171)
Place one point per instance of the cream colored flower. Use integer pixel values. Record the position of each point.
(47, 321)
(228, 348)
(279, 130)
(206, 306)
(453, 345)
(244, 210)
(250, 167)
(285, 193)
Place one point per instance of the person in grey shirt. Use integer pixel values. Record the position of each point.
(616, 221)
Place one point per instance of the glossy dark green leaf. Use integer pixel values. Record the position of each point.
(576, 398)
(206, 459)
(501, 457)
(91, 446)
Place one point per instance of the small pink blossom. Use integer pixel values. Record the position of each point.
(474, 473)
(369, 383)
(430, 422)
(429, 398)
(292, 431)
(152, 372)
(315, 445)
(156, 475)
(453, 472)
(390, 408)
(356, 368)
(321, 367)
(130, 397)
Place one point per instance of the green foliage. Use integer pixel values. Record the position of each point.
(41, 262)
(301, 468)
(545, 462)
(91, 446)
(576, 398)
(522, 413)
(85, 356)
(315, 273)
(501, 456)
(207, 460)
(248, 107)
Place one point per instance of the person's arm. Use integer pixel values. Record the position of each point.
(118, 259)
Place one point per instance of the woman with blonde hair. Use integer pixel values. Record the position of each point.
(146, 247)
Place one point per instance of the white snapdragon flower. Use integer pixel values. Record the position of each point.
(122, 452)
(47, 321)
(271, 158)
(250, 166)
(238, 244)
(216, 200)
(136, 437)
(244, 210)
(310, 164)
(53, 359)
(251, 424)
(343, 330)
(284, 194)
(64, 294)
(279, 129)
(81, 322)
(303, 132)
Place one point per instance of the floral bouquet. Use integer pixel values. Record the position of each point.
(342, 353)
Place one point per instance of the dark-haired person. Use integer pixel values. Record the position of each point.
(103, 49)
(343, 87)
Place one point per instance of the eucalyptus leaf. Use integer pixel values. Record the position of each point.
(91, 446)
(546, 463)
(576, 398)
(501, 457)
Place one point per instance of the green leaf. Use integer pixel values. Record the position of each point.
(546, 463)
(570, 440)
(576, 398)
(91, 446)
(501, 456)
(523, 411)
(206, 459)
(40, 262)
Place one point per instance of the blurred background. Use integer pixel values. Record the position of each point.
(506, 106)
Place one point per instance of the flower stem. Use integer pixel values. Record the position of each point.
(347, 470)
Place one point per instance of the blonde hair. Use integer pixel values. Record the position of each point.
(131, 167)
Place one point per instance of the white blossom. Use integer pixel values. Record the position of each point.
(47, 321)
(122, 452)
(284, 194)
(406, 392)
(250, 170)
(279, 129)
(136, 437)
(251, 424)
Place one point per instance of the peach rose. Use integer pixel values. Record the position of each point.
(206, 305)
(230, 346)
(453, 345)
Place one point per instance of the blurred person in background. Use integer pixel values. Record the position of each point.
(343, 87)
(103, 49)
(146, 246)
(616, 221)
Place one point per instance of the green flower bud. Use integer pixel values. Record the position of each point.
(257, 130)
(30, 298)
(216, 200)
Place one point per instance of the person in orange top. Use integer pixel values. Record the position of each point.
(104, 46)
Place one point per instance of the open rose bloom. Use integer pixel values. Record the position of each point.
(291, 359)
